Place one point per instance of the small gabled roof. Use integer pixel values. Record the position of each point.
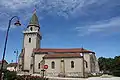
(4, 61)
(21, 54)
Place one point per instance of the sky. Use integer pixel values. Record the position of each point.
(91, 24)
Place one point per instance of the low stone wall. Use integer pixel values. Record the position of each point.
(74, 74)
(52, 74)
(22, 73)
(67, 74)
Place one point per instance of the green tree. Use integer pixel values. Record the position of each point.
(9, 75)
(110, 65)
(116, 68)
(105, 64)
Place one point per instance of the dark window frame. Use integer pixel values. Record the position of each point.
(29, 40)
(31, 28)
(72, 64)
(86, 64)
(38, 65)
(53, 65)
(31, 66)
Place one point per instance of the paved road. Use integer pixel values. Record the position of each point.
(99, 78)
(91, 78)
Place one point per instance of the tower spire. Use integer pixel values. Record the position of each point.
(34, 11)
(34, 20)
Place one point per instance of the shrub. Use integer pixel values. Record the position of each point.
(116, 73)
(9, 75)
(28, 77)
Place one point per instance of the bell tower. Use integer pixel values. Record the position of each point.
(31, 40)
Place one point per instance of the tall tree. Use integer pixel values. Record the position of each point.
(110, 65)
(105, 64)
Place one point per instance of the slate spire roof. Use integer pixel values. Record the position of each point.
(34, 20)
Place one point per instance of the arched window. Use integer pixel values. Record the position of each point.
(53, 65)
(62, 60)
(31, 28)
(72, 64)
(29, 40)
(31, 66)
(86, 64)
(38, 65)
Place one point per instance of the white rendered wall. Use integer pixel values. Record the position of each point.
(38, 59)
(78, 67)
(76, 71)
(87, 58)
(50, 71)
(35, 43)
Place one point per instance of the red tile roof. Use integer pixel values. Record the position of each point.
(73, 50)
(63, 55)
(12, 65)
(4, 61)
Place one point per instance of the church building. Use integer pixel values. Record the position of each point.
(73, 62)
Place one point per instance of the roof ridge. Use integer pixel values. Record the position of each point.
(59, 48)
(66, 50)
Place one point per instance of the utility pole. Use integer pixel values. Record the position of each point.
(16, 52)
(16, 55)
(17, 23)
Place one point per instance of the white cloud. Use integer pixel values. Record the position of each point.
(106, 26)
(60, 7)
(65, 8)
(52, 7)
(57, 6)
(53, 3)
(17, 4)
